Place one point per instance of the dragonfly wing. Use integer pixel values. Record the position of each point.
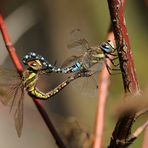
(70, 61)
(90, 84)
(96, 68)
(7, 75)
(11, 92)
(77, 41)
(4, 97)
(9, 82)
(80, 45)
(86, 86)
(18, 115)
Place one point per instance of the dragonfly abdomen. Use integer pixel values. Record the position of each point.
(72, 69)
(35, 92)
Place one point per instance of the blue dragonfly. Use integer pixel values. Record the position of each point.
(89, 63)
(90, 60)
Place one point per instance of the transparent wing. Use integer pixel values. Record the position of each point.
(9, 82)
(86, 86)
(77, 41)
(12, 93)
(8, 75)
(96, 68)
(18, 115)
(70, 61)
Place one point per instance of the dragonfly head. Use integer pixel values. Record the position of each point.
(35, 65)
(107, 47)
(35, 61)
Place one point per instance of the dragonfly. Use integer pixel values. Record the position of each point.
(84, 65)
(87, 64)
(90, 58)
(90, 61)
(13, 87)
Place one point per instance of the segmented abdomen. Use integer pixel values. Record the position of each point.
(35, 92)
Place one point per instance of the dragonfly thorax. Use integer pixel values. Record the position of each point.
(29, 79)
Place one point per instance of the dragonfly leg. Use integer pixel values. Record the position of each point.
(112, 54)
(109, 69)
(112, 61)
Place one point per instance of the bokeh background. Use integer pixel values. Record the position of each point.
(44, 26)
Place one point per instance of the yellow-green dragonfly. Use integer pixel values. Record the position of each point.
(13, 87)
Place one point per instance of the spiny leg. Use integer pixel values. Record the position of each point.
(112, 60)
(111, 69)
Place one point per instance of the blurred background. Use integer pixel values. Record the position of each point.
(44, 26)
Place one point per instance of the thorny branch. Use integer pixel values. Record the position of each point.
(124, 124)
(19, 68)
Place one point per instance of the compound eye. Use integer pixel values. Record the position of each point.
(32, 63)
(105, 45)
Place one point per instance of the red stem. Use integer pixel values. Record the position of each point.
(9, 46)
(124, 124)
(123, 46)
(102, 98)
(19, 68)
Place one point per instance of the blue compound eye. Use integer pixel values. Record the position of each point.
(106, 47)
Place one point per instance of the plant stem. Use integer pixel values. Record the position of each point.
(102, 98)
(124, 124)
(136, 134)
